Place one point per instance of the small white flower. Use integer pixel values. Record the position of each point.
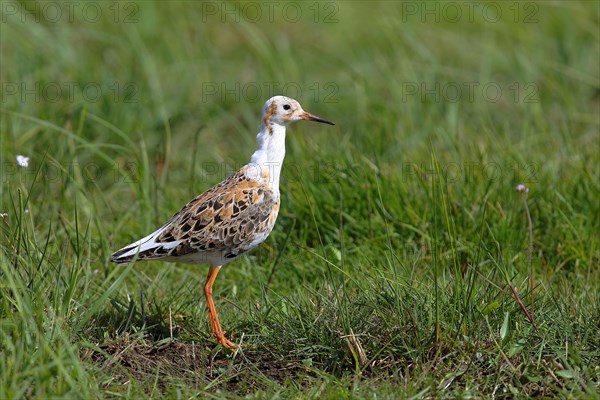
(22, 161)
(3, 215)
(522, 188)
(27, 211)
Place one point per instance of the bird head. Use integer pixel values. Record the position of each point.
(282, 110)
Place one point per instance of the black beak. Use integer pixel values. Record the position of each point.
(309, 117)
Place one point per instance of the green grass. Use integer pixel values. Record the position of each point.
(391, 270)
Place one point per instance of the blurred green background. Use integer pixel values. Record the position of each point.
(129, 109)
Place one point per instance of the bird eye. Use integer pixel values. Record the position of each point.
(286, 107)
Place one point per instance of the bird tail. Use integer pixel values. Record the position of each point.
(143, 249)
(123, 256)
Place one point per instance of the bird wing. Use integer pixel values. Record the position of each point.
(227, 220)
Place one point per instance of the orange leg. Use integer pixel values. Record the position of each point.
(215, 326)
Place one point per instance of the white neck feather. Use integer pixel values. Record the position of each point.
(270, 153)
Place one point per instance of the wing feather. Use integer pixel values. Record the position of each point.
(223, 222)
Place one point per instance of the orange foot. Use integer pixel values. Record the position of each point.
(213, 318)
(223, 341)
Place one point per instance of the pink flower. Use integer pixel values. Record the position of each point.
(522, 188)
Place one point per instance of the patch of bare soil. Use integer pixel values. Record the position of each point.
(191, 364)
